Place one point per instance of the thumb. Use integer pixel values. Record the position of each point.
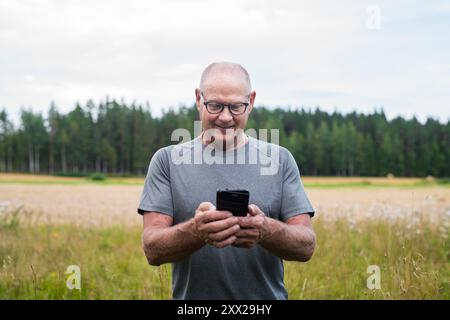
(253, 210)
(206, 206)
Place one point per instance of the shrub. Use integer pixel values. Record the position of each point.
(97, 177)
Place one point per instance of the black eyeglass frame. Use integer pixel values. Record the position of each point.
(222, 106)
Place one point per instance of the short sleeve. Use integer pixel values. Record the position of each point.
(294, 199)
(157, 195)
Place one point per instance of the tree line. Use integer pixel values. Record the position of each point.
(113, 137)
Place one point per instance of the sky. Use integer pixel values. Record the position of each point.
(339, 55)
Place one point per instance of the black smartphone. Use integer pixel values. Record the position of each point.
(235, 201)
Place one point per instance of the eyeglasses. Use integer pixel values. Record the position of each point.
(216, 108)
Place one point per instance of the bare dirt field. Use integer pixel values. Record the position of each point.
(104, 205)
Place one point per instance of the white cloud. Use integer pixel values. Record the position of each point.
(297, 52)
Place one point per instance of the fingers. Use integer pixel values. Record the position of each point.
(225, 234)
(221, 228)
(216, 226)
(253, 219)
(248, 233)
(224, 243)
(211, 215)
(247, 222)
(253, 210)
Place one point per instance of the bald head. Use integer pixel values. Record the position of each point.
(225, 72)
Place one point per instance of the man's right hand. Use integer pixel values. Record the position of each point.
(217, 228)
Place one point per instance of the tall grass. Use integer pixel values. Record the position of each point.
(413, 259)
(413, 262)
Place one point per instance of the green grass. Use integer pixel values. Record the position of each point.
(414, 262)
(33, 261)
(369, 185)
(80, 182)
(413, 265)
(444, 182)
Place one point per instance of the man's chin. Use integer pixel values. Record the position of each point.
(222, 138)
(224, 141)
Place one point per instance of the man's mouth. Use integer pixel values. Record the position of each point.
(223, 128)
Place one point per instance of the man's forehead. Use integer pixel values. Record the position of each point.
(226, 89)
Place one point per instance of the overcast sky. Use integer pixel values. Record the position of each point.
(344, 55)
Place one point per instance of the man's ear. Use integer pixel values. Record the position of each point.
(197, 99)
(252, 101)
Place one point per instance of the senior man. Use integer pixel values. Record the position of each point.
(216, 255)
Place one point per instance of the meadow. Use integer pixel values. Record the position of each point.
(48, 223)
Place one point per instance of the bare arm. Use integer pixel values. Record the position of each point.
(164, 242)
(293, 240)
(290, 240)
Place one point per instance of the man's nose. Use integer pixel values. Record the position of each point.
(226, 115)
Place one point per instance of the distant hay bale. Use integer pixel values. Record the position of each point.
(390, 176)
(429, 179)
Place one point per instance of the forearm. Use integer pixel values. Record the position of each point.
(170, 244)
(289, 242)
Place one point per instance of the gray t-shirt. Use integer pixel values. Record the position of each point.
(182, 176)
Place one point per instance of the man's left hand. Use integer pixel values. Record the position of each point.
(254, 228)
